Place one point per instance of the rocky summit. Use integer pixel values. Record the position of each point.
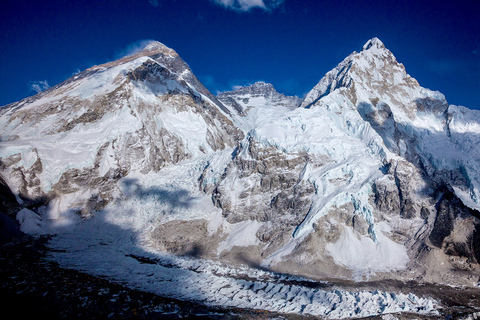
(251, 199)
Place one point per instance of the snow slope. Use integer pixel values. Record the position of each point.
(252, 105)
(412, 121)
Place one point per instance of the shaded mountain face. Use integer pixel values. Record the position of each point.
(370, 176)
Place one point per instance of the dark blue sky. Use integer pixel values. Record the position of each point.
(289, 43)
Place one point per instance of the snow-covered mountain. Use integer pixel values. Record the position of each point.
(430, 168)
(257, 94)
(249, 105)
(371, 176)
(67, 146)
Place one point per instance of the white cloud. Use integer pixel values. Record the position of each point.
(476, 51)
(38, 86)
(239, 5)
(132, 48)
(208, 81)
(245, 5)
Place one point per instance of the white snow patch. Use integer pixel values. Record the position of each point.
(467, 198)
(242, 234)
(363, 255)
(214, 223)
(74, 149)
(103, 81)
(30, 222)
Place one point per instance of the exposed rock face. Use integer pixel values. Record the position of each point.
(456, 229)
(8, 203)
(372, 176)
(265, 184)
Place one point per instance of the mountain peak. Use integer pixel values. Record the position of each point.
(371, 72)
(374, 42)
(156, 47)
(258, 94)
(261, 84)
(258, 88)
(153, 48)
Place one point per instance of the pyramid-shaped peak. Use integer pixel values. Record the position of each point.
(152, 49)
(374, 42)
(259, 87)
(372, 70)
(261, 84)
(155, 45)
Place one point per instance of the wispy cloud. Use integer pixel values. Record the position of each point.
(208, 81)
(216, 87)
(446, 66)
(38, 86)
(246, 5)
(476, 51)
(236, 84)
(237, 87)
(237, 5)
(133, 47)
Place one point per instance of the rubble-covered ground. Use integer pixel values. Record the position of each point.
(32, 286)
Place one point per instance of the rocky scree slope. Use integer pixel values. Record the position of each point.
(372, 176)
